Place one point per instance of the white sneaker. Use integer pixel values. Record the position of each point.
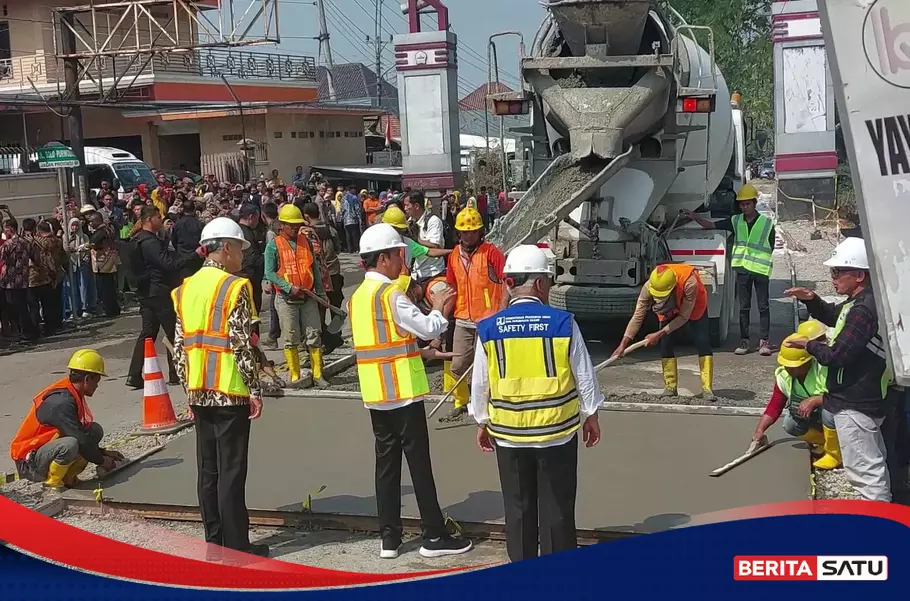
(86, 315)
(388, 549)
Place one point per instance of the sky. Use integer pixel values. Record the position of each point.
(351, 21)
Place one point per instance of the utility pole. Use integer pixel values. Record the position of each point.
(324, 39)
(379, 45)
(71, 79)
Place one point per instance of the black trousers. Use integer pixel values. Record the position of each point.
(17, 303)
(156, 312)
(222, 450)
(336, 296)
(44, 301)
(352, 232)
(397, 431)
(539, 487)
(745, 281)
(699, 331)
(107, 292)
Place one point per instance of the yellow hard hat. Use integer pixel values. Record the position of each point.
(87, 360)
(746, 193)
(662, 281)
(395, 217)
(792, 357)
(290, 214)
(469, 220)
(812, 329)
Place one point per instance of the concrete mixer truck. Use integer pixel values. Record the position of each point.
(631, 123)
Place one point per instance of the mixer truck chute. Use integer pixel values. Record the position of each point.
(630, 124)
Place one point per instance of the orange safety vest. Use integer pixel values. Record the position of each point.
(683, 273)
(480, 291)
(296, 268)
(32, 434)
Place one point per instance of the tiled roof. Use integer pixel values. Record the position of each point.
(356, 83)
(477, 100)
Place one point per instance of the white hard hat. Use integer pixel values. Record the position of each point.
(527, 258)
(849, 254)
(87, 208)
(381, 236)
(223, 228)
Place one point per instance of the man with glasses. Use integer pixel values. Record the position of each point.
(854, 369)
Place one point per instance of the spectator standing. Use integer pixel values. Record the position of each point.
(270, 218)
(482, 205)
(185, 237)
(158, 269)
(105, 258)
(15, 254)
(276, 182)
(45, 277)
(352, 215)
(253, 267)
(299, 176)
(430, 233)
(81, 275)
(111, 213)
(372, 206)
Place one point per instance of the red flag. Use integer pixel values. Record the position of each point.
(388, 132)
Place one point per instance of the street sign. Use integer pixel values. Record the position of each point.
(56, 157)
(867, 44)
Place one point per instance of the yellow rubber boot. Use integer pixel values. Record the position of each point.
(316, 361)
(461, 394)
(706, 370)
(76, 468)
(293, 358)
(831, 458)
(814, 436)
(56, 472)
(448, 380)
(670, 379)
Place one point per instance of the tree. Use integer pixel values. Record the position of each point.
(743, 50)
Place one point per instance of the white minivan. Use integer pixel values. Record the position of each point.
(124, 170)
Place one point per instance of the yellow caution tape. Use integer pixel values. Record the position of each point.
(99, 494)
(453, 526)
(307, 503)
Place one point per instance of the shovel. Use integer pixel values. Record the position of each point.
(338, 315)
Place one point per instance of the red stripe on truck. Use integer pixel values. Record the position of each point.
(699, 252)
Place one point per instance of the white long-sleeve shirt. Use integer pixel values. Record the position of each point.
(407, 316)
(590, 398)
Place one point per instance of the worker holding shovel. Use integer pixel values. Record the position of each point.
(676, 294)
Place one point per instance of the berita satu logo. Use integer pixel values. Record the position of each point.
(886, 40)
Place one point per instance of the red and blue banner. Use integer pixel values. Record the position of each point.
(839, 549)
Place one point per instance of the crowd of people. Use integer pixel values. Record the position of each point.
(49, 277)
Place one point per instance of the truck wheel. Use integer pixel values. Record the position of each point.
(591, 303)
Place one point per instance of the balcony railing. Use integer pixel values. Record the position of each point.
(44, 69)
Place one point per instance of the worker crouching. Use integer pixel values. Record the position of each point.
(533, 388)
(676, 294)
(59, 437)
(292, 270)
(799, 387)
(386, 326)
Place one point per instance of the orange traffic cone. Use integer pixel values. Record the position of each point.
(158, 411)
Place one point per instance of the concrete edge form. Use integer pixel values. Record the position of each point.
(310, 521)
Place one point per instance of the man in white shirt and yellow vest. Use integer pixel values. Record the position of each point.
(533, 388)
(386, 326)
(217, 365)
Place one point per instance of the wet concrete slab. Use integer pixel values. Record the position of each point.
(649, 473)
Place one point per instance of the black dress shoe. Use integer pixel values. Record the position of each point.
(260, 550)
(134, 384)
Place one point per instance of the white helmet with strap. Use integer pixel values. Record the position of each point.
(527, 259)
(849, 254)
(223, 228)
(378, 237)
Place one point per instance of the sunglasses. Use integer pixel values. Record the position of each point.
(836, 272)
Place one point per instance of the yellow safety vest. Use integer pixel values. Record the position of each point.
(203, 303)
(797, 392)
(751, 248)
(532, 388)
(389, 365)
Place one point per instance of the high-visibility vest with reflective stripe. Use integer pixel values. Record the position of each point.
(532, 388)
(876, 346)
(389, 365)
(295, 265)
(684, 271)
(32, 434)
(796, 392)
(480, 290)
(204, 302)
(751, 248)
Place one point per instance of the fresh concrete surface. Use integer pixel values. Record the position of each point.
(649, 473)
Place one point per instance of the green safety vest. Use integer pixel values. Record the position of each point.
(751, 249)
(796, 391)
(876, 345)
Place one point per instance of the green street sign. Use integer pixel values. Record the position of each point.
(56, 157)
